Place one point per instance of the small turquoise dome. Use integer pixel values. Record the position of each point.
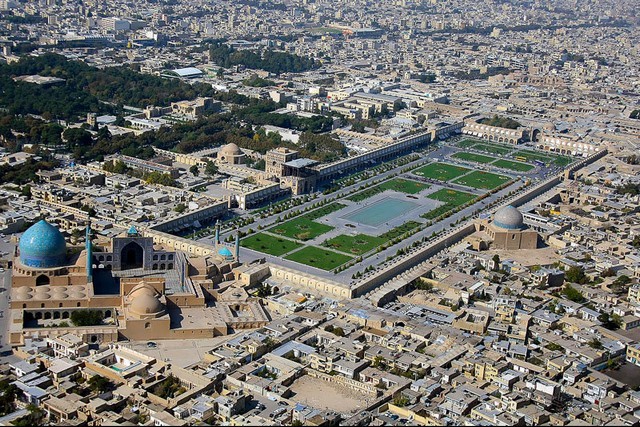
(225, 252)
(42, 246)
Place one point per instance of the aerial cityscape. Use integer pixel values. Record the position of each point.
(319, 212)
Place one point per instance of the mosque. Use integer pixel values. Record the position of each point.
(128, 287)
(506, 230)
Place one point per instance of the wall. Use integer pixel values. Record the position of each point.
(312, 282)
(216, 210)
(344, 381)
(410, 261)
(407, 144)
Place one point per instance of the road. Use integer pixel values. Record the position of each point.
(5, 279)
(6, 246)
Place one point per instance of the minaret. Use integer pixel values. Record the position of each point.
(238, 246)
(217, 232)
(89, 254)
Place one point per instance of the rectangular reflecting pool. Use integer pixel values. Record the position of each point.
(381, 211)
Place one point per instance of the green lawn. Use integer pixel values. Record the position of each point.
(357, 245)
(451, 198)
(304, 227)
(399, 230)
(301, 228)
(543, 157)
(514, 166)
(269, 244)
(396, 184)
(325, 30)
(323, 211)
(485, 146)
(482, 180)
(404, 186)
(466, 143)
(441, 171)
(493, 148)
(319, 257)
(471, 157)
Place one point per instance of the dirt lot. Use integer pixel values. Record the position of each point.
(323, 395)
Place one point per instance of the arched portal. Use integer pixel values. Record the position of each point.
(42, 280)
(131, 256)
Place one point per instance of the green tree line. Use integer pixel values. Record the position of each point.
(85, 87)
(261, 59)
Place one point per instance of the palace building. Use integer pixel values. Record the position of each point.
(128, 287)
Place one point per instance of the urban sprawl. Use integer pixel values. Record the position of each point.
(319, 212)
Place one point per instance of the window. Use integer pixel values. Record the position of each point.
(147, 325)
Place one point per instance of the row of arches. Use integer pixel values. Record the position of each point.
(499, 139)
(162, 266)
(60, 305)
(57, 314)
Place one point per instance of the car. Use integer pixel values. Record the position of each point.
(151, 344)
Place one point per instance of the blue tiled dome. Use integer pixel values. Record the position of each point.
(42, 246)
(508, 218)
(224, 252)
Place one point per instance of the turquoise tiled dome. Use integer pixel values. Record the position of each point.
(42, 246)
(508, 218)
(224, 252)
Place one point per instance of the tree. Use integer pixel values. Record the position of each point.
(115, 166)
(400, 401)
(264, 290)
(503, 122)
(573, 294)
(86, 317)
(194, 170)
(8, 394)
(104, 133)
(180, 208)
(100, 384)
(26, 191)
(35, 417)
(378, 362)
(161, 179)
(496, 262)
(554, 347)
(338, 331)
(575, 274)
(596, 344)
(77, 137)
(211, 168)
(398, 105)
(609, 272)
(358, 127)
